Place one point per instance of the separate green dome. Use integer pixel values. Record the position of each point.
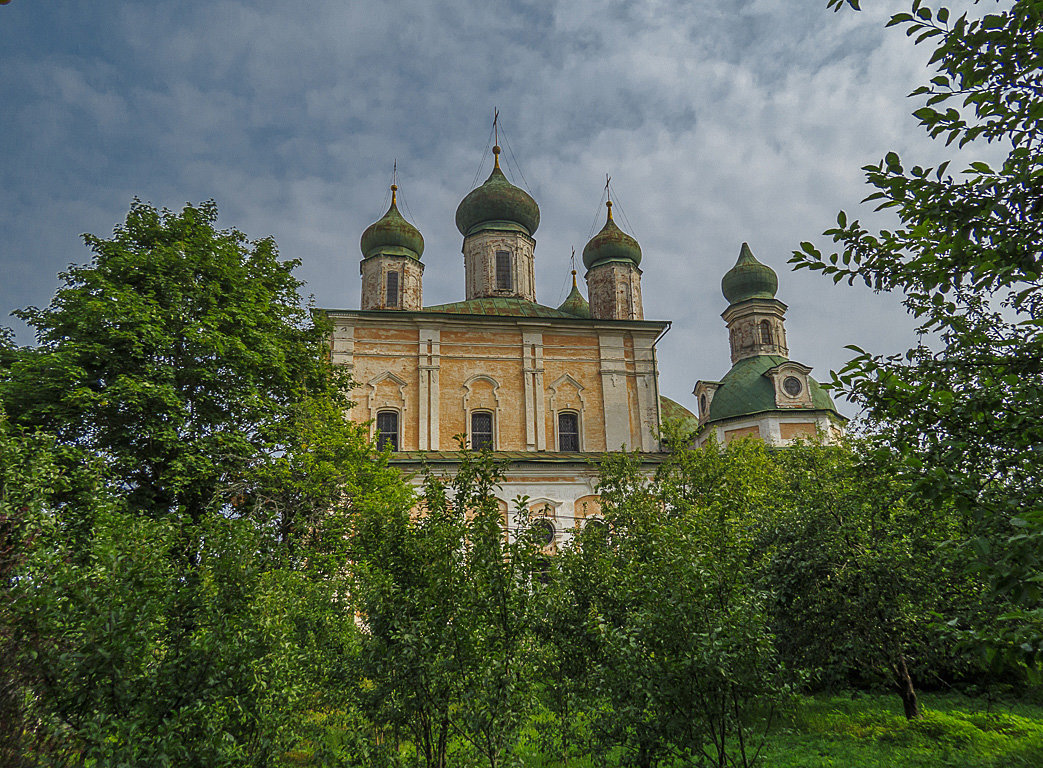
(749, 279)
(746, 390)
(392, 234)
(497, 204)
(611, 244)
(574, 303)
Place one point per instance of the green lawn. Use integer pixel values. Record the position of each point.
(869, 730)
(843, 731)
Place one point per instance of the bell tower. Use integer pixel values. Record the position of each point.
(613, 278)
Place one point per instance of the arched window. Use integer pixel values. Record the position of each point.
(568, 431)
(392, 289)
(387, 429)
(481, 430)
(503, 271)
(765, 332)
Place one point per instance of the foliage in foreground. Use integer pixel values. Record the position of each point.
(965, 408)
(177, 472)
(853, 730)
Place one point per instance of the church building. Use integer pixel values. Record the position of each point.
(546, 389)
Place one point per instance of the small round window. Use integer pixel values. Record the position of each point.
(543, 531)
(792, 386)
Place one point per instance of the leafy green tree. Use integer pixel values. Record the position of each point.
(177, 356)
(27, 474)
(860, 573)
(446, 598)
(181, 599)
(965, 408)
(688, 665)
(568, 653)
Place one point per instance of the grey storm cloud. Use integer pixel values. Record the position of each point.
(718, 122)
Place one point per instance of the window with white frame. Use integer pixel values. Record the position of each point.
(481, 430)
(387, 429)
(568, 431)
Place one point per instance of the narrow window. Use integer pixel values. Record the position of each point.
(392, 289)
(387, 429)
(765, 332)
(503, 270)
(481, 430)
(568, 432)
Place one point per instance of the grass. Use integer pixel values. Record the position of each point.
(842, 731)
(869, 730)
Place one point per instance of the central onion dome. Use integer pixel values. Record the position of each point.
(611, 244)
(497, 204)
(392, 235)
(749, 279)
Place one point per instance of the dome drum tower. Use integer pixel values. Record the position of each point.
(613, 278)
(754, 317)
(498, 221)
(392, 273)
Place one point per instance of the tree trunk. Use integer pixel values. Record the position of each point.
(906, 690)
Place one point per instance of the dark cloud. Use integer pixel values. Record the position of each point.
(719, 122)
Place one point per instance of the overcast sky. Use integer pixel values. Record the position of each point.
(720, 121)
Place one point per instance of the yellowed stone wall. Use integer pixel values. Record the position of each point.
(572, 374)
(481, 370)
(435, 372)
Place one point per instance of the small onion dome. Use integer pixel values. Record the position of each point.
(574, 303)
(392, 235)
(497, 204)
(611, 244)
(749, 279)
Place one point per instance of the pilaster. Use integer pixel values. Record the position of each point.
(614, 391)
(429, 363)
(535, 400)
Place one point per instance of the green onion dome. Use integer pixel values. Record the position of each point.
(749, 279)
(611, 244)
(497, 204)
(574, 303)
(392, 235)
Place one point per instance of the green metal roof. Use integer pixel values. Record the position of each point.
(392, 234)
(497, 200)
(673, 410)
(749, 279)
(574, 303)
(500, 306)
(745, 390)
(611, 244)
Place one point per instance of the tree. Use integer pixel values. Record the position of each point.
(859, 572)
(177, 356)
(27, 474)
(446, 599)
(964, 408)
(687, 663)
(178, 591)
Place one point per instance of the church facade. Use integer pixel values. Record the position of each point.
(547, 389)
